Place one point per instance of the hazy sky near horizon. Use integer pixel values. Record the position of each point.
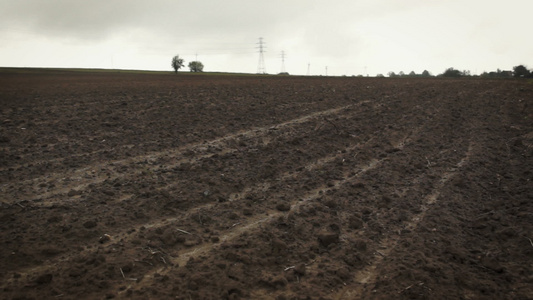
(349, 37)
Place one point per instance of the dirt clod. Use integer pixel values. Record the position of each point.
(90, 224)
(327, 238)
(44, 279)
(264, 187)
(283, 206)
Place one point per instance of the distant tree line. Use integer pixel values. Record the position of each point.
(519, 71)
(425, 73)
(451, 72)
(194, 66)
(522, 71)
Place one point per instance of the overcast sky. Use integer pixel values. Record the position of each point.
(349, 37)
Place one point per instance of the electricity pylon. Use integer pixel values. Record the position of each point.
(261, 65)
(283, 62)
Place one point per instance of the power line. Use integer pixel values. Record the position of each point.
(261, 65)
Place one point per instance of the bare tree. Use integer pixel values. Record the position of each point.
(177, 63)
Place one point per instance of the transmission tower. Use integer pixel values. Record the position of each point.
(308, 69)
(261, 65)
(282, 61)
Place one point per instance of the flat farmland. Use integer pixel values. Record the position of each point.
(163, 186)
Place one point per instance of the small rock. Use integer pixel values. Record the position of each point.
(104, 238)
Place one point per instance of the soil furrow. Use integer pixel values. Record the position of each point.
(254, 222)
(216, 147)
(230, 187)
(365, 278)
(250, 226)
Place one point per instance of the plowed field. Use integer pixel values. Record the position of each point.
(150, 186)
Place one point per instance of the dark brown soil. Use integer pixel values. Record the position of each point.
(146, 186)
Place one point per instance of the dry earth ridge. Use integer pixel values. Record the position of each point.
(147, 186)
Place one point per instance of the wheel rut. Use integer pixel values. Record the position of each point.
(96, 174)
(365, 278)
(259, 221)
(251, 223)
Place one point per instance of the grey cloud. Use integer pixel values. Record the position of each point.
(328, 30)
(100, 19)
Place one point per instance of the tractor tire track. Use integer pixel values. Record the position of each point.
(251, 223)
(217, 146)
(364, 279)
